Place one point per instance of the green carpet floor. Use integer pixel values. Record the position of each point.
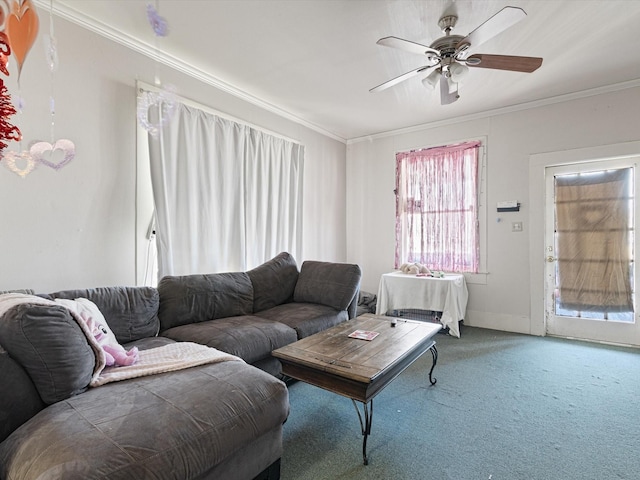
(505, 407)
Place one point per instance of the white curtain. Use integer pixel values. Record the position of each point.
(227, 196)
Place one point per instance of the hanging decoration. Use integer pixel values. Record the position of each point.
(51, 52)
(47, 153)
(22, 27)
(4, 14)
(8, 131)
(5, 51)
(165, 98)
(60, 152)
(158, 23)
(20, 163)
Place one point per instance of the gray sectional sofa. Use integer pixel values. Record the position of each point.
(219, 420)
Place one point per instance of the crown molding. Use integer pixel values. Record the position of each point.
(501, 111)
(69, 13)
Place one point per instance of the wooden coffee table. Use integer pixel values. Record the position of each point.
(359, 369)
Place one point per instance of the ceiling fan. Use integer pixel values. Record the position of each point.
(448, 57)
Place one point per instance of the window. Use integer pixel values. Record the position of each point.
(437, 215)
(594, 238)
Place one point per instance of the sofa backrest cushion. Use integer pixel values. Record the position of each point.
(198, 298)
(273, 281)
(49, 344)
(19, 400)
(331, 284)
(131, 312)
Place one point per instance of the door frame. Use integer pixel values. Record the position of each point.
(537, 186)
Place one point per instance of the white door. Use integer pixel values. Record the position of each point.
(590, 244)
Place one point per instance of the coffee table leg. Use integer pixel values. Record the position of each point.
(365, 425)
(434, 355)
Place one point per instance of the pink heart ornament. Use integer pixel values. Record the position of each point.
(20, 163)
(54, 156)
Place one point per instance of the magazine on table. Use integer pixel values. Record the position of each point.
(364, 334)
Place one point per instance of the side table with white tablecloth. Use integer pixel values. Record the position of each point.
(448, 295)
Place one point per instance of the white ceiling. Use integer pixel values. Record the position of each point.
(315, 60)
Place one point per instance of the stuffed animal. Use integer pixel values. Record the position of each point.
(415, 269)
(115, 354)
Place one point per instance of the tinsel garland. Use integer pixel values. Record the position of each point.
(8, 131)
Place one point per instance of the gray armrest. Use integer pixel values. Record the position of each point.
(333, 284)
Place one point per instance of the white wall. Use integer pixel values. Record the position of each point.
(76, 227)
(504, 301)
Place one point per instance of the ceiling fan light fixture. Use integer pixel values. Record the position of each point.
(453, 85)
(431, 80)
(458, 71)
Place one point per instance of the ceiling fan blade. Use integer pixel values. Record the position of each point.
(505, 62)
(446, 96)
(401, 78)
(407, 46)
(502, 20)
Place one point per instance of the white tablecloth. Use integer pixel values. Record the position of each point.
(448, 295)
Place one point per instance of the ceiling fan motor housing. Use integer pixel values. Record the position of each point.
(447, 45)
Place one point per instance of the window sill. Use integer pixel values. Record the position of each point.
(476, 278)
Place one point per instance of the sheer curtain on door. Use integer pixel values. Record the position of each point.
(594, 242)
(227, 196)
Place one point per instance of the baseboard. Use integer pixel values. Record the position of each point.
(499, 321)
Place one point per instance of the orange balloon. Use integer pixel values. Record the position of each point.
(22, 30)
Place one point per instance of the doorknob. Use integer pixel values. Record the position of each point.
(551, 259)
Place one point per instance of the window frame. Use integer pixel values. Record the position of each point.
(481, 276)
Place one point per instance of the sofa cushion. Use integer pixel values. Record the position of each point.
(248, 337)
(19, 400)
(198, 298)
(305, 318)
(167, 426)
(48, 343)
(273, 281)
(131, 312)
(332, 284)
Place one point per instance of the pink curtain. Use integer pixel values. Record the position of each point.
(437, 207)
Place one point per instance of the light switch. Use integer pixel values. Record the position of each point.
(516, 226)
